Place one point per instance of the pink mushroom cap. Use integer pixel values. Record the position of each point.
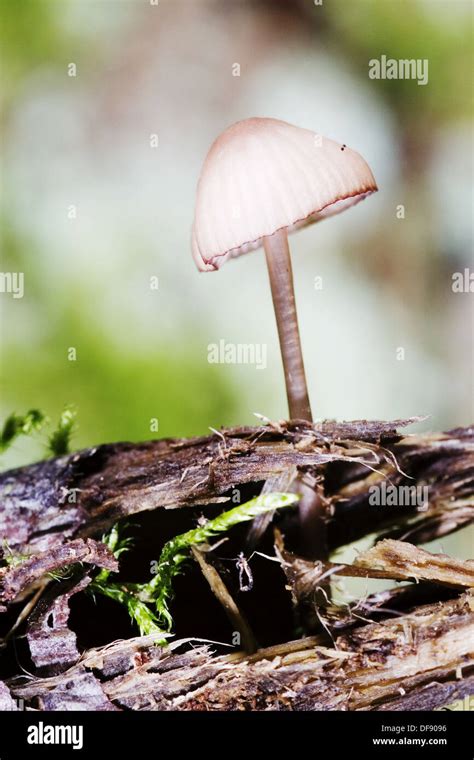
(262, 175)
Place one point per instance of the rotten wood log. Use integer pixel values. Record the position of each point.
(85, 493)
(54, 513)
(425, 658)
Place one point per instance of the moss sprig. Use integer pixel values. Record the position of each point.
(59, 442)
(20, 424)
(148, 603)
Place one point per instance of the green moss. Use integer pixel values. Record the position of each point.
(148, 603)
(20, 424)
(60, 439)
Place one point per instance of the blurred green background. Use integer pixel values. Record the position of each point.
(79, 146)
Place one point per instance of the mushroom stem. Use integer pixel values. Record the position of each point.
(311, 507)
(278, 258)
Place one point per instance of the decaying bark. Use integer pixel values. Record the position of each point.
(15, 578)
(410, 647)
(388, 559)
(402, 561)
(86, 492)
(399, 662)
(51, 643)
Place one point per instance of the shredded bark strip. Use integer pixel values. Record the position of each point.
(15, 578)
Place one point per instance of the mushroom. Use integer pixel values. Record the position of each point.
(262, 179)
